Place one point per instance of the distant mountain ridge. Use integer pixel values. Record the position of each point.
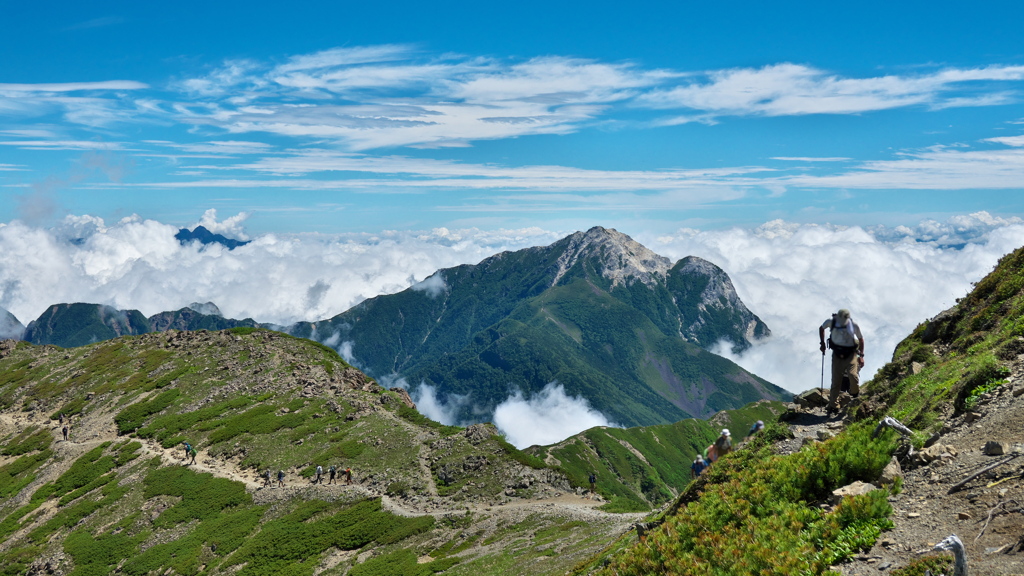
(204, 236)
(597, 312)
(79, 324)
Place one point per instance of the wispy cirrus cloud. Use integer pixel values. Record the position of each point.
(793, 89)
(935, 168)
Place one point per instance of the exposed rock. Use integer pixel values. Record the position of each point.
(916, 367)
(971, 417)
(477, 433)
(825, 435)
(403, 395)
(993, 448)
(856, 489)
(935, 452)
(813, 398)
(891, 472)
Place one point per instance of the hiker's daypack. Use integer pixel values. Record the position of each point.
(842, 352)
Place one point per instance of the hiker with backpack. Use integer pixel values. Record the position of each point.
(348, 475)
(847, 344)
(65, 431)
(593, 483)
(332, 472)
(319, 474)
(698, 466)
(280, 478)
(266, 478)
(755, 428)
(192, 452)
(723, 445)
(188, 449)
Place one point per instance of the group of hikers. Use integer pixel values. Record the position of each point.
(318, 476)
(65, 423)
(847, 344)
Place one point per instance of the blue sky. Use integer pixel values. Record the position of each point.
(647, 117)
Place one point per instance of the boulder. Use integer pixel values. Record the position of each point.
(993, 448)
(825, 435)
(891, 472)
(856, 489)
(935, 452)
(813, 398)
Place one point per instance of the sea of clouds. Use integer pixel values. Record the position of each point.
(791, 275)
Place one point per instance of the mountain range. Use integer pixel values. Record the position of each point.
(596, 312)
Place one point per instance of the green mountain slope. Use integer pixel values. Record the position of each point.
(644, 467)
(600, 314)
(759, 512)
(121, 496)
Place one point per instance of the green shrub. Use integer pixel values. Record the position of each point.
(202, 495)
(31, 439)
(753, 516)
(400, 563)
(16, 475)
(132, 417)
(257, 420)
(937, 565)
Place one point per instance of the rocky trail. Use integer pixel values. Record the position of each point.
(93, 429)
(986, 513)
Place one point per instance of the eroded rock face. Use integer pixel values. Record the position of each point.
(477, 433)
(403, 395)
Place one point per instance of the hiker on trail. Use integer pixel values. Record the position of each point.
(61, 418)
(332, 472)
(348, 475)
(757, 427)
(280, 478)
(723, 445)
(698, 466)
(192, 452)
(847, 344)
(266, 477)
(65, 431)
(593, 483)
(188, 449)
(319, 474)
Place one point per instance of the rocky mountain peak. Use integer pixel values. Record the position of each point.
(620, 256)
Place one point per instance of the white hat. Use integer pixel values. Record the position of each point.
(725, 432)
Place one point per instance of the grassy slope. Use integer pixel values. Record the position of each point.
(638, 468)
(757, 513)
(252, 400)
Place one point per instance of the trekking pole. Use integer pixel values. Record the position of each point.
(822, 385)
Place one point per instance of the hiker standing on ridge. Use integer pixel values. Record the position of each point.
(593, 483)
(847, 344)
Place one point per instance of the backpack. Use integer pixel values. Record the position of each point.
(842, 352)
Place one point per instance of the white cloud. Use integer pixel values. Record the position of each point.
(138, 264)
(794, 276)
(232, 227)
(445, 412)
(937, 168)
(74, 86)
(546, 417)
(793, 89)
(434, 286)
